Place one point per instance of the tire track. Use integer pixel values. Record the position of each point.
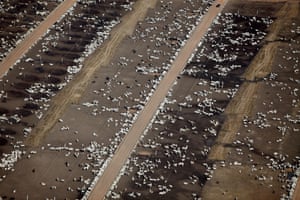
(100, 57)
(242, 103)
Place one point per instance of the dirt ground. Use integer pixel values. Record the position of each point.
(136, 131)
(21, 49)
(204, 143)
(232, 168)
(266, 145)
(18, 19)
(51, 68)
(259, 68)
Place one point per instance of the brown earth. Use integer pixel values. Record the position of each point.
(296, 194)
(77, 89)
(275, 1)
(129, 142)
(99, 58)
(233, 181)
(260, 67)
(21, 49)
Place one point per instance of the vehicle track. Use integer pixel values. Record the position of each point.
(99, 58)
(242, 103)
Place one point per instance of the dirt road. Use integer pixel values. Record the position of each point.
(78, 85)
(22, 48)
(129, 142)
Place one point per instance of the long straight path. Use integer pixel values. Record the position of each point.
(23, 47)
(129, 142)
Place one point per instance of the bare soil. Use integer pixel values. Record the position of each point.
(162, 168)
(84, 123)
(269, 182)
(129, 142)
